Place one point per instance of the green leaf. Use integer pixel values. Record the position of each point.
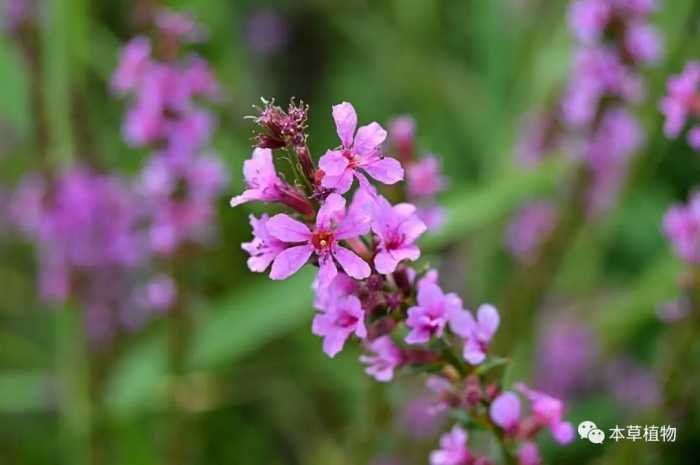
(24, 392)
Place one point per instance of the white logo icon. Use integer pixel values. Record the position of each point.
(588, 430)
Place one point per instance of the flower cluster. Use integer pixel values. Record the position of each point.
(181, 180)
(682, 103)
(85, 227)
(97, 234)
(591, 118)
(367, 286)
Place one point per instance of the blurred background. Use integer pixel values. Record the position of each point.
(253, 385)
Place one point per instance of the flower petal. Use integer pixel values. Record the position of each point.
(473, 353)
(385, 263)
(289, 261)
(354, 224)
(387, 170)
(345, 119)
(488, 319)
(331, 210)
(327, 271)
(341, 183)
(368, 138)
(353, 265)
(333, 163)
(287, 229)
(248, 195)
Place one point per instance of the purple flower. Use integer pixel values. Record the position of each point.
(443, 390)
(265, 185)
(530, 227)
(135, 58)
(632, 384)
(386, 356)
(681, 226)
(643, 44)
(159, 293)
(424, 178)
(598, 72)
(180, 26)
(476, 332)
(398, 228)
(361, 150)
(429, 317)
(453, 449)
(681, 102)
(402, 135)
(505, 411)
(337, 324)
(589, 18)
(529, 454)
(332, 225)
(549, 411)
(264, 247)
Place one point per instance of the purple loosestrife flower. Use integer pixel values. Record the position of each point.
(681, 226)
(361, 150)
(453, 449)
(335, 325)
(549, 412)
(385, 358)
(643, 44)
(681, 102)
(134, 61)
(505, 411)
(429, 317)
(267, 32)
(589, 18)
(398, 228)
(476, 332)
(529, 454)
(598, 72)
(266, 186)
(264, 248)
(179, 26)
(332, 225)
(529, 228)
(402, 135)
(424, 177)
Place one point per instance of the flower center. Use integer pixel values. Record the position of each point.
(322, 240)
(346, 320)
(353, 159)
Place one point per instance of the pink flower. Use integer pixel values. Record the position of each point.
(643, 44)
(453, 449)
(505, 411)
(332, 225)
(589, 18)
(338, 323)
(529, 454)
(476, 332)
(397, 228)
(529, 228)
(423, 177)
(385, 358)
(264, 248)
(341, 286)
(134, 60)
(429, 317)
(264, 184)
(361, 150)
(549, 412)
(680, 103)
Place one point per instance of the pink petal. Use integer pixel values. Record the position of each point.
(327, 271)
(387, 170)
(694, 137)
(354, 224)
(333, 163)
(260, 263)
(505, 410)
(248, 195)
(473, 353)
(353, 265)
(287, 229)
(563, 432)
(385, 263)
(330, 211)
(334, 342)
(289, 261)
(429, 294)
(341, 183)
(368, 138)
(412, 229)
(488, 319)
(461, 322)
(345, 122)
(409, 252)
